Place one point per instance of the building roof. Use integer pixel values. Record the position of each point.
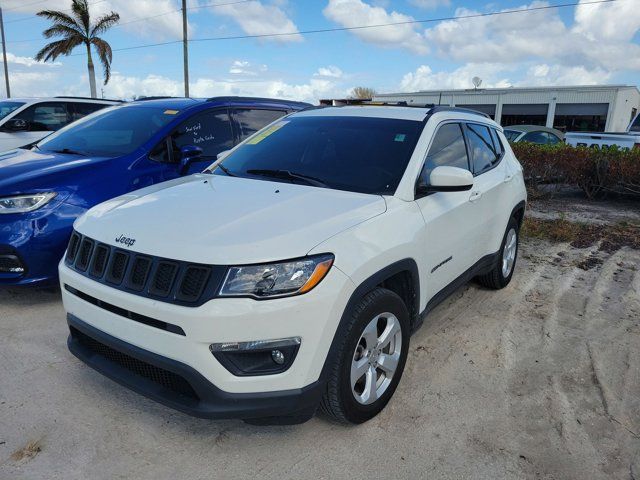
(496, 91)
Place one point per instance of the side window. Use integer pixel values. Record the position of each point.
(535, 137)
(210, 130)
(249, 121)
(79, 110)
(47, 116)
(483, 152)
(552, 139)
(497, 143)
(447, 149)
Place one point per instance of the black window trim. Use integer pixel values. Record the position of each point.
(167, 137)
(426, 154)
(498, 162)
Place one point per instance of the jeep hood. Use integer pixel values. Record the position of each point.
(222, 220)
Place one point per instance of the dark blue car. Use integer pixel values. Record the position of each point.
(109, 153)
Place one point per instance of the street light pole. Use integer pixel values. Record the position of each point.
(4, 56)
(185, 48)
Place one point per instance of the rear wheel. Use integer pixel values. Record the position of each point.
(370, 359)
(500, 276)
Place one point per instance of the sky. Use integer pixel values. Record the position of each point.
(584, 45)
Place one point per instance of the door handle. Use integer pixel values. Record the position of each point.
(475, 196)
(508, 178)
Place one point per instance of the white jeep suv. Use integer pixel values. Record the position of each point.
(291, 274)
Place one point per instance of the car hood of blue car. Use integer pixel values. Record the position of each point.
(26, 171)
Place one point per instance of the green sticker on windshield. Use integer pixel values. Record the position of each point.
(400, 137)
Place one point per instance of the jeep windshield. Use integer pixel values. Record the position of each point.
(358, 154)
(7, 107)
(111, 132)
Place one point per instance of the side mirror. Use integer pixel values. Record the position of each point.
(188, 155)
(446, 179)
(17, 125)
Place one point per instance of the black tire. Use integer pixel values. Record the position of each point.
(495, 279)
(339, 401)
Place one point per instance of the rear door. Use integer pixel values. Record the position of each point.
(248, 121)
(489, 193)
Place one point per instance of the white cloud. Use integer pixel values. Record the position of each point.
(28, 61)
(317, 87)
(430, 3)
(600, 38)
(424, 78)
(243, 67)
(256, 18)
(353, 13)
(543, 74)
(331, 72)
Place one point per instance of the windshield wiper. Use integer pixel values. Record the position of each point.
(69, 151)
(288, 175)
(225, 170)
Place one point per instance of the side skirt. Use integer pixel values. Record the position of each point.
(482, 266)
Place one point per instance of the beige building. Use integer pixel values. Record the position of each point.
(581, 108)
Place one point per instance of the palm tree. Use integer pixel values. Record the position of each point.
(77, 30)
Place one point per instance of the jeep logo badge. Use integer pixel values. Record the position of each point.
(126, 240)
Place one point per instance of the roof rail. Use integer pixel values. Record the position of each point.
(401, 103)
(257, 99)
(156, 97)
(442, 108)
(88, 98)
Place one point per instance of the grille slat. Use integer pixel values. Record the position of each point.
(169, 380)
(99, 262)
(171, 281)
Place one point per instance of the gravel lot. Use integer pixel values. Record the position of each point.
(540, 380)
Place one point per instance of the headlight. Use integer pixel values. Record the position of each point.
(25, 203)
(276, 279)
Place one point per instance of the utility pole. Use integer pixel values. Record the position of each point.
(185, 48)
(4, 55)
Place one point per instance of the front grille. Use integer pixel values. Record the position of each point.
(169, 380)
(182, 283)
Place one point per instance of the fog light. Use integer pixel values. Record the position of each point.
(277, 356)
(258, 357)
(11, 264)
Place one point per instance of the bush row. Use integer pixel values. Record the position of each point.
(596, 171)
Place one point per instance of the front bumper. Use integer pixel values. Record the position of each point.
(179, 386)
(38, 240)
(183, 335)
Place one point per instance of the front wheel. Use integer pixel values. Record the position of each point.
(500, 276)
(370, 359)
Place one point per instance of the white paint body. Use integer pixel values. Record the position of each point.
(214, 219)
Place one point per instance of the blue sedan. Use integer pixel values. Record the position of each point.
(110, 153)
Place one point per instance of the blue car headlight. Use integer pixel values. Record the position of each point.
(25, 203)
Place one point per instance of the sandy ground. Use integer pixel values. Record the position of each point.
(540, 380)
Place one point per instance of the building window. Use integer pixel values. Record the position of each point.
(524, 114)
(581, 117)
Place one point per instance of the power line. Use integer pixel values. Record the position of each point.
(362, 27)
(31, 17)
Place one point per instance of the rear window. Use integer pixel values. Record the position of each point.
(359, 154)
(511, 134)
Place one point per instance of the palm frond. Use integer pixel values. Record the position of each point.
(53, 50)
(105, 54)
(104, 23)
(58, 30)
(59, 18)
(80, 9)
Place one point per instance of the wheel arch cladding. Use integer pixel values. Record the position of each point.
(518, 212)
(401, 278)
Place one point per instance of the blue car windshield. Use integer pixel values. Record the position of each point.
(111, 132)
(7, 107)
(357, 154)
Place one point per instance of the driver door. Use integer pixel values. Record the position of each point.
(448, 233)
(209, 130)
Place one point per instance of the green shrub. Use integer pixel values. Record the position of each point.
(596, 171)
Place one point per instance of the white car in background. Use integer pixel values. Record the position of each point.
(24, 121)
(291, 274)
(623, 140)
